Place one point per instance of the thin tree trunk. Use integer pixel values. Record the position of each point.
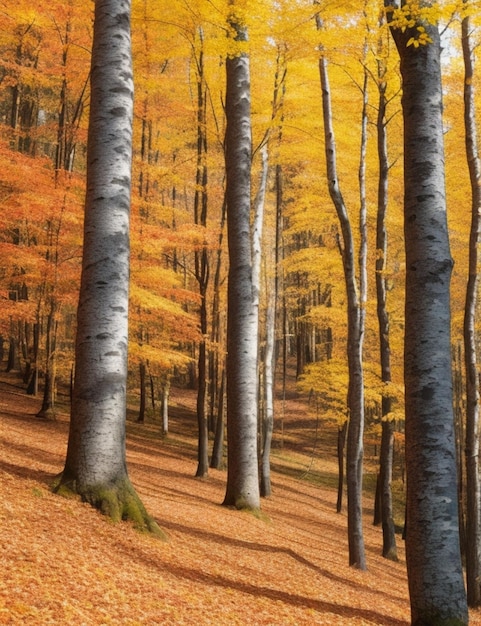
(341, 444)
(355, 334)
(202, 263)
(216, 461)
(143, 392)
(47, 409)
(257, 231)
(217, 332)
(165, 406)
(389, 549)
(473, 487)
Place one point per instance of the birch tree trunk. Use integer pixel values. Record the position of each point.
(95, 466)
(242, 314)
(266, 413)
(435, 575)
(473, 487)
(355, 336)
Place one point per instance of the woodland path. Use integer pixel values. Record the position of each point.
(63, 563)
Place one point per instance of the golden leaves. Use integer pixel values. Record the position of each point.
(418, 16)
(421, 40)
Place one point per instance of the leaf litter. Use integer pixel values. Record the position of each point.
(63, 563)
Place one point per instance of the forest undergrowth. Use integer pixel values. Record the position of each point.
(63, 563)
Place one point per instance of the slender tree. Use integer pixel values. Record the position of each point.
(435, 575)
(242, 313)
(95, 466)
(356, 295)
(389, 549)
(473, 486)
(201, 256)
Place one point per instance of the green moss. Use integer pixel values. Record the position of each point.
(242, 505)
(118, 501)
(65, 490)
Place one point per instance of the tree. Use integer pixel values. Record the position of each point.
(242, 489)
(95, 467)
(356, 297)
(435, 575)
(473, 486)
(389, 549)
(201, 256)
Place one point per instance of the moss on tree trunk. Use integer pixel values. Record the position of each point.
(118, 501)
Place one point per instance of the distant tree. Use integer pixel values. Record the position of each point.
(95, 467)
(435, 574)
(389, 549)
(201, 256)
(242, 315)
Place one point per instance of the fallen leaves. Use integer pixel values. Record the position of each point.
(63, 563)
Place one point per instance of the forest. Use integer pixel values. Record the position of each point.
(240, 201)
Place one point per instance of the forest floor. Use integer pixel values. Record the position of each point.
(63, 563)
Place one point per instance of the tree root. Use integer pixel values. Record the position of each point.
(118, 501)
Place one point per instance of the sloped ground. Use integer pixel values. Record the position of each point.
(63, 563)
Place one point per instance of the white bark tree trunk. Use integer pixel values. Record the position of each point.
(355, 339)
(435, 574)
(95, 465)
(242, 315)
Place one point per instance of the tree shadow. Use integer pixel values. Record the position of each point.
(201, 577)
(243, 545)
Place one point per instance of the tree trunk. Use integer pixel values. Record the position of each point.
(95, 466)
(389, 549)
(165, 406)
(341, 444)
(268, 376)
(217, 333)
(216, 461)
(202, 262)
(355, 336)
(435, 575)
(47, 409)
(242, 315)
(143, 393)
(473, 487)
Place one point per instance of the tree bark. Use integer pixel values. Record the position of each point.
(202, 262)
(216, 461)
(389, 549)
(143, 392)
(355, 335)
(242, 317)
(435, 575)
(266, 412)
(473, 487)
(95, 467)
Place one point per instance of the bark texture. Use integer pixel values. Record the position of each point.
(389, 549)
(242, 315)
(436, 585)
(95, 466)
(355, 339)
(473, 477)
